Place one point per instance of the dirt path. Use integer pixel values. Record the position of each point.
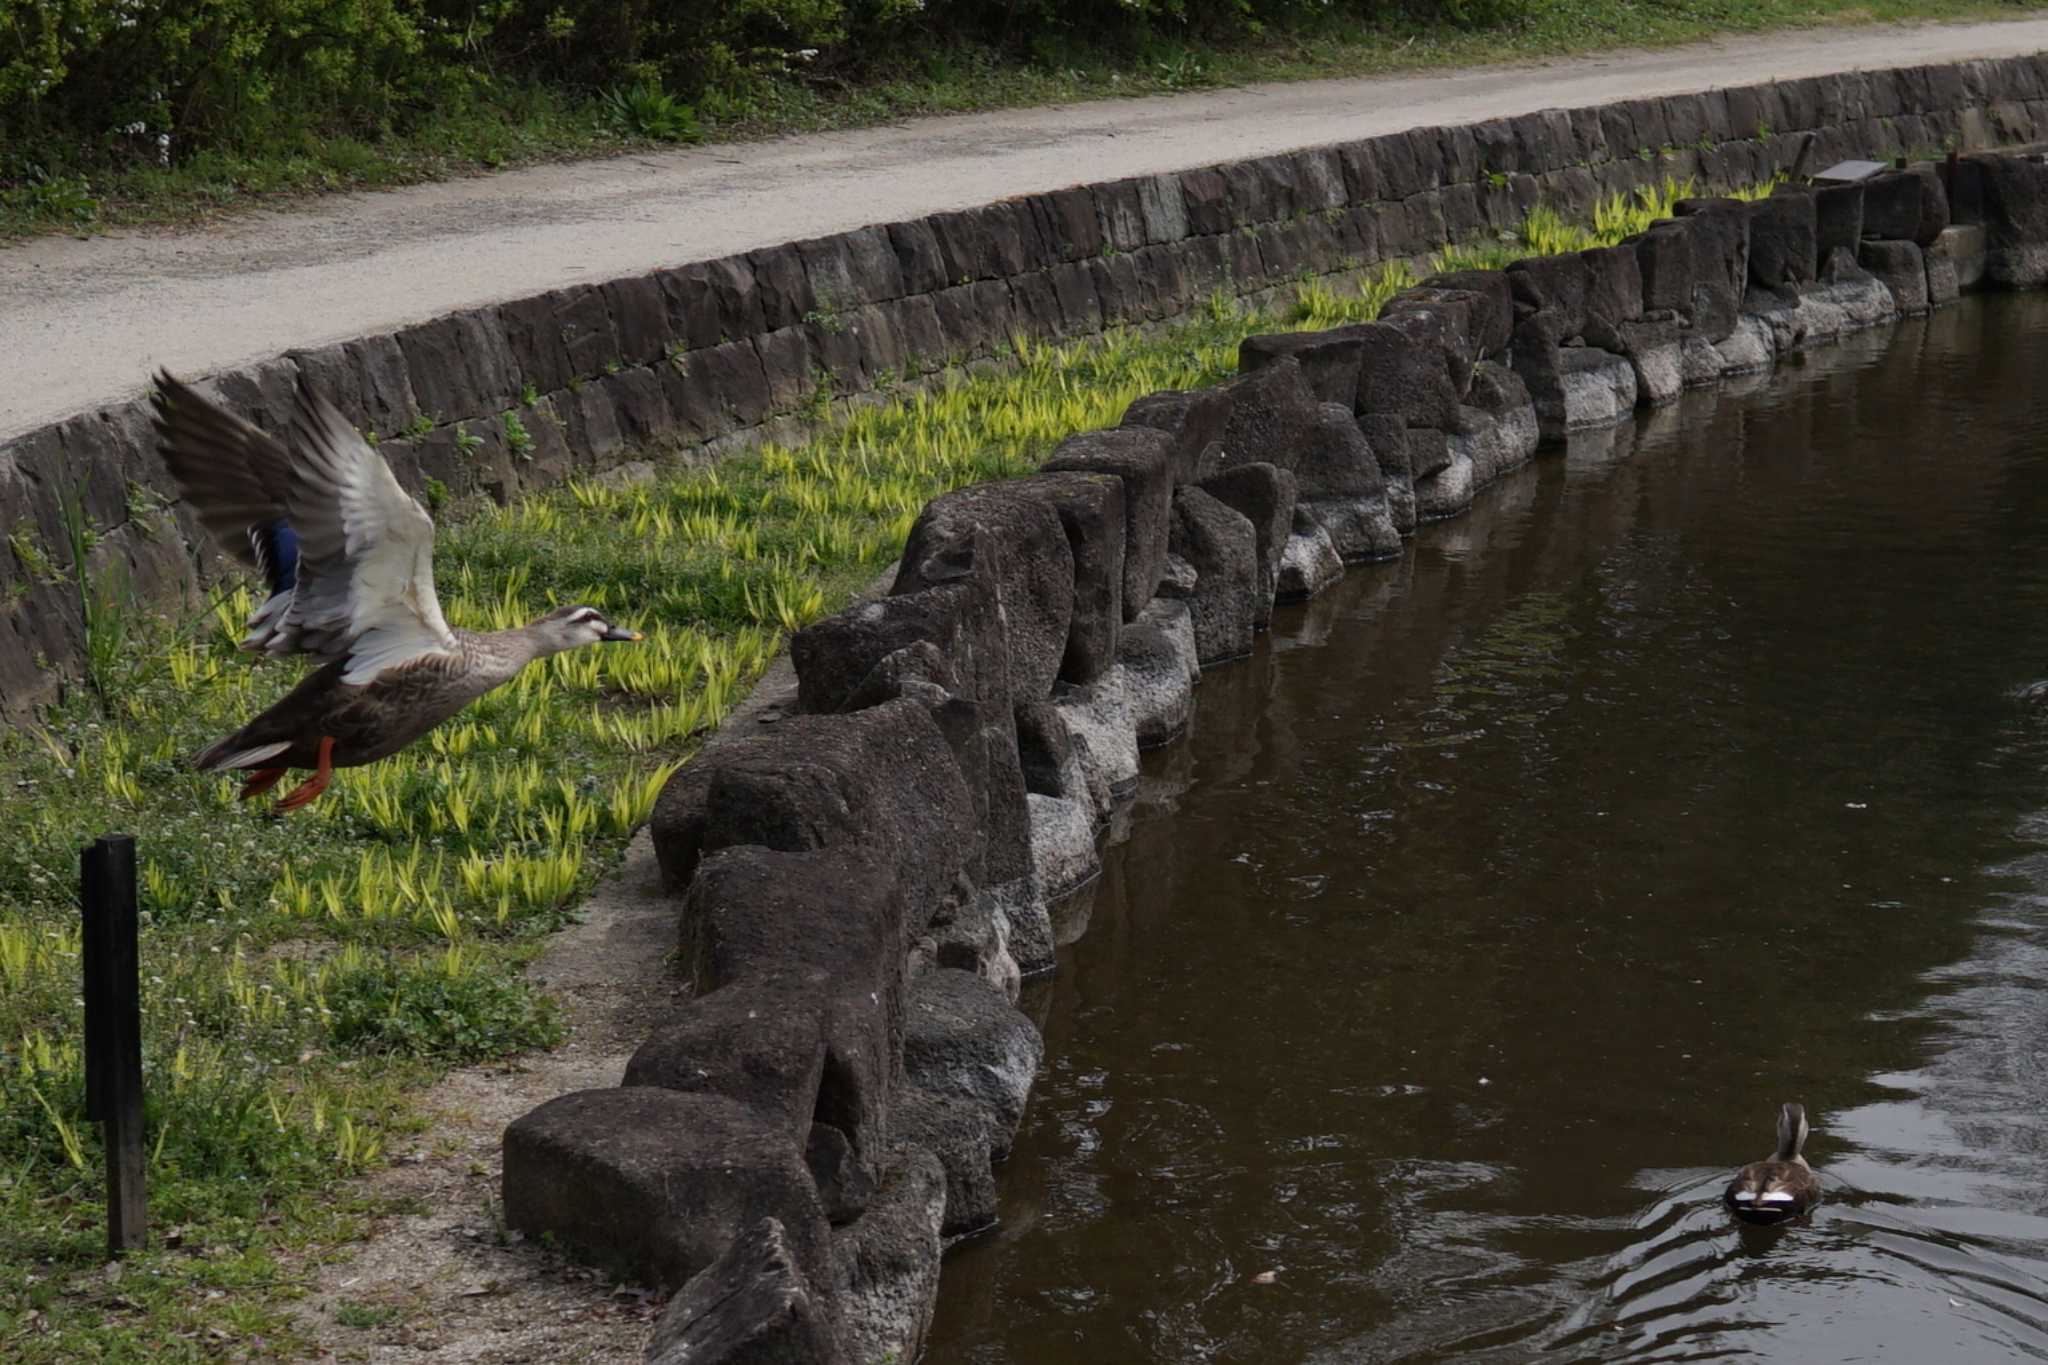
(83, 322)
(445, 1284)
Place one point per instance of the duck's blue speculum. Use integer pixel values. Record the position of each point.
(277, 549)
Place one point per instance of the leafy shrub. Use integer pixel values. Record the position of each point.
(94, 82)
(647, 110)
(441, 1007)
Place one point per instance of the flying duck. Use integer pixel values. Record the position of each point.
(348, 557)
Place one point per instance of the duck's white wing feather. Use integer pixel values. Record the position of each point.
(366, 578)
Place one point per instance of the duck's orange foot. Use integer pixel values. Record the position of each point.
(261, 781)
(305, 792)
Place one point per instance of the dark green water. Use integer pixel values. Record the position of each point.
(1493, 907)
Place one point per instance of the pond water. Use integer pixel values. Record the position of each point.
(1493, 907)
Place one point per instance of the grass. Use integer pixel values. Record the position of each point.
(1616, 217)
(305, 977)
(508, 124)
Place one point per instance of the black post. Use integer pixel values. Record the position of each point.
(113, 1030)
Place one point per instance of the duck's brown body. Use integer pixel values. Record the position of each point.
(1782, 1186)
(373, 720)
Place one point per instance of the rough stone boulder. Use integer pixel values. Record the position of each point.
(1142, 457)
(962, 1134)
(1437, 323)
(1045, 749)
(968, 933)
(1193, 420)
(1015, 543)
(1599, 388)
(1899, 267)
(658, 1182)
(1221, 546)
(1264, 495)
(1749, 349)
(761, 1043)
(1099, 716)
(1160, 667)
(1954, 263)
(1699, 362)
(1387, 436)
(1274, 418)
(1614, 287)
(1670, 268)
(1653, 347)
(1497, 429)
(1838, 217)
(1851, 298)
(1360, 530)
(1557, 285)
(962, 1038)
(1398, 375)
(1719, 229)
(844, 1180)
(1447, 492)
(1784, 239)
(1490, 304)
(1339, 461)
(828, 922)
(1327, 360)
(1572, 387)
(884, 778)
(1063, 850)
(752, 1306)
(1905, 206)
(887, 1263)
(1429, 450)
(1091, 511)
(2010, 194)
(1345, 486)
(951, 635)
(983, 737)
(1491, 310)
(1310, 562)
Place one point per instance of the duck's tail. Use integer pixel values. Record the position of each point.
(236, 752)
(1791, 1131)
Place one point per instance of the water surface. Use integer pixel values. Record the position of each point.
(1492, 908)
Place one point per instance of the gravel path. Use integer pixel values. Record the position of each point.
(83, 322)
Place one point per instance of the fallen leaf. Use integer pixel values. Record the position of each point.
(1266, 1277)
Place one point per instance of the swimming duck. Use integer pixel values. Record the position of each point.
(1782, 1186)
(348, 558)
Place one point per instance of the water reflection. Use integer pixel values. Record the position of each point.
(1493, 907)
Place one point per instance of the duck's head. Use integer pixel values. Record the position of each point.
(574, 626)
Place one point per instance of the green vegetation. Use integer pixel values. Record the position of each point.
(305, 976)
(111, 111)
(1616, 217)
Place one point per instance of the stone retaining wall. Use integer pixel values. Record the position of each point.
(716, 351)
(862, 883)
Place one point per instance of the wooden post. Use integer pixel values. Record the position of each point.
(113, 1030)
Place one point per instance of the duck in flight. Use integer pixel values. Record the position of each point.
(348, 557)
(1782, 1186)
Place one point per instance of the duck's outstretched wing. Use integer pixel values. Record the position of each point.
(238, 481)
(366, 553)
